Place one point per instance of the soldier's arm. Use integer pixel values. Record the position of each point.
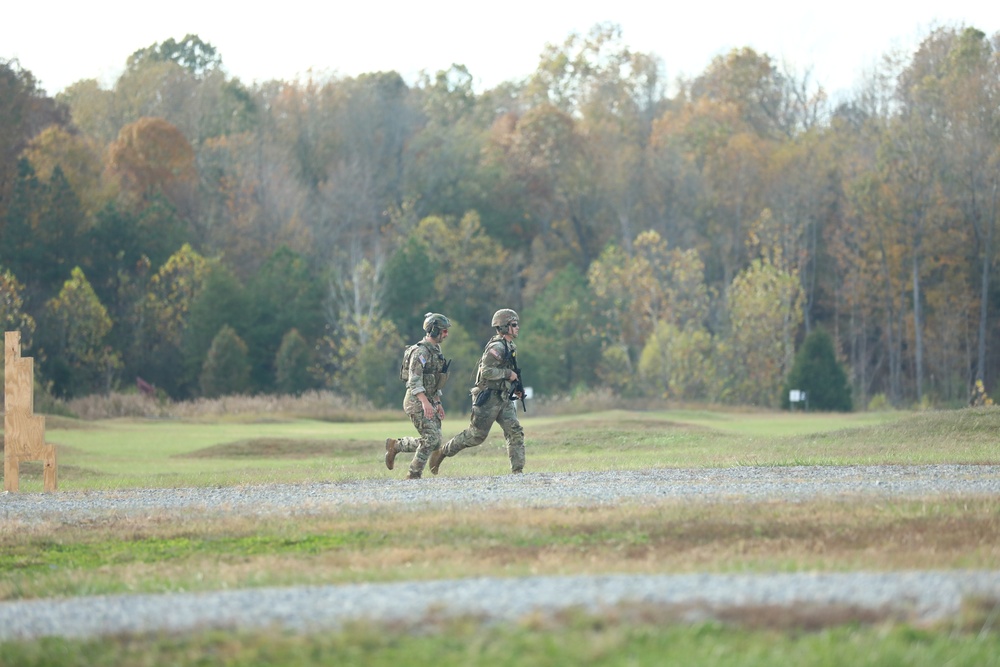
(492, 362)
(415, 385)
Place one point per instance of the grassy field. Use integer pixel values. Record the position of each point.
(128, 453)
(160, 554)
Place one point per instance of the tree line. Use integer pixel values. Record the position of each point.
(663, 241)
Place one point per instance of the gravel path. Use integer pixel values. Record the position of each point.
(916, 596)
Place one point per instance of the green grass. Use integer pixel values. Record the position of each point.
(161, 553)
(128, 453)
(169, 553)
(48, 555)
(576, 640)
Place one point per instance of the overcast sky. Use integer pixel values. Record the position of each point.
(61, 41)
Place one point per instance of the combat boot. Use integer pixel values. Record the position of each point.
(413, 475)
(435, 461)
(390, 452)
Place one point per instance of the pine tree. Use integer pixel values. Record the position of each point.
(292, 364)
(817, 372)
(226, 370)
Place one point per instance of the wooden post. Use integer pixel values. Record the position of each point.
(23, 431)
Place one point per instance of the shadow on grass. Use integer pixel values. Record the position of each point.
(282, 448)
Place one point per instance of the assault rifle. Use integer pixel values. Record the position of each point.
(517, 387)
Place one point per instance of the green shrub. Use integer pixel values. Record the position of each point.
(879, 403)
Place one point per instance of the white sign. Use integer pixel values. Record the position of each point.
(795, 396)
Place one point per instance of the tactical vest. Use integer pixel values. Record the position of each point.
(506, 362)
(435, 367)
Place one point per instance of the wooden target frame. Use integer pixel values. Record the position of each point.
(23, 430)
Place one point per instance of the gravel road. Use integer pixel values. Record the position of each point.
(918, 596)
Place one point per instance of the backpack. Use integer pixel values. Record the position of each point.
(404, 368)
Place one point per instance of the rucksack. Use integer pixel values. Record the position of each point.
(404, 368)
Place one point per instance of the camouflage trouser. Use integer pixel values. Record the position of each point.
(429, 440)
(496, 409)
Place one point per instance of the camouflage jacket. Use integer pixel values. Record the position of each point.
(426, 372)
(496, 364)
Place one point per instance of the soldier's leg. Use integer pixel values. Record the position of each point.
(409, 443)
(513, 433)
(479, 427)
(430, 440)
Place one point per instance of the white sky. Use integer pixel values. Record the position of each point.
(64, 41)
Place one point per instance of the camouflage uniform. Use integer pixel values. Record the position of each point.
(426, 376)
(495, 368)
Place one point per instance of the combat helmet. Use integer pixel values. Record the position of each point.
(434, 323)
(502, 318)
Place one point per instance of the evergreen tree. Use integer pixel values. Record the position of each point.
(60, 221)
(226, 369)
(76, 324)
(222, 301)
(407, 274)
(557, 343)
(112, 245)
(286, 296)
(292, 364)
(816, 372)
(18, 251)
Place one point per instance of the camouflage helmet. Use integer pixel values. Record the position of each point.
(434, 323)
(503, 317)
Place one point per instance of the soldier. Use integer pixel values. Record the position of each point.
(425, 371)
(492, 396)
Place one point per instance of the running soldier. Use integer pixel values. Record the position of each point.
(492, 397)
(425, 371)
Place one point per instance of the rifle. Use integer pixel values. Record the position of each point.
(517, 387)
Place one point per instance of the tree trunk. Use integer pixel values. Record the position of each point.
(984, 293)
(918, 338)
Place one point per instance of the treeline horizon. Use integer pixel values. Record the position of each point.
(214, 238)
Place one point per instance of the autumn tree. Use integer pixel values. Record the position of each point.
(78, 157)
(543, 158)
(774, 103)
(251, 203)
(474, 269)
(679, 364)
(765, 310)
(191, 53)
(94, 110)
(25, 110)
(151, 158)
(679, 357)
(12, 314)
(442, 158)
(163, 317)
(615, 93)
(965, 85)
